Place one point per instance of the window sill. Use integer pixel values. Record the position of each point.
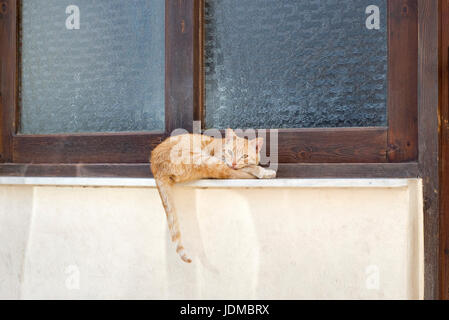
(142, 170)
(150, 183)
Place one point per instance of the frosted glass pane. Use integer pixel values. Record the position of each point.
(106, 76)
(295, 64)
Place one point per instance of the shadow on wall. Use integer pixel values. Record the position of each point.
(221, 238)
(296, 244)
(16, 205)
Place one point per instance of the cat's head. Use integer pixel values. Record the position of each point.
(240, 152)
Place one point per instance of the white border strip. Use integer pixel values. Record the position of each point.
(150, 183)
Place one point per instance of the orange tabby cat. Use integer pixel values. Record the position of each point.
(190, 157)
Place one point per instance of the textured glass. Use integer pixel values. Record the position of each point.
(107, 76)
(295, 64)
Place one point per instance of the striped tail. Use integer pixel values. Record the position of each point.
(164, 185)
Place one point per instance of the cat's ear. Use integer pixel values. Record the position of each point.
(230, 134)
(258, 144)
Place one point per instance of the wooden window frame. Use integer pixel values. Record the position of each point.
(383, 151)
(390, 151)
(399, 150)
(395, 143)
(126, 148)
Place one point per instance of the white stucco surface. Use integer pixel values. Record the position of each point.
(361, 239)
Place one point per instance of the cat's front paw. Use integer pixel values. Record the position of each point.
(268, 174)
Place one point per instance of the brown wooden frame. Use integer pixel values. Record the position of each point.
(184, 103)
(398, 142)
(429, 135)
(126, 148)
(444, 155)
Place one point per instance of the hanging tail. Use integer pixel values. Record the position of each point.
(164, 185)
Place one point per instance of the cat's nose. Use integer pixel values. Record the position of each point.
(234, 165)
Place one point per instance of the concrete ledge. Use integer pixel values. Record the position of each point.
(150, 183)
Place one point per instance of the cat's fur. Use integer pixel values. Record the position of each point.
(191, 157)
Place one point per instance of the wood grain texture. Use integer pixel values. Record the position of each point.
(88, 148)
(322, 145)
(428, 104)
(76, 170)
(444, 152)
(348, 145)
(199, 76)
(181, 63)
(310, 170)
(8, 76)
(403, 80)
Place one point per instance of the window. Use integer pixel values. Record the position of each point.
(100, 83)
(106, 75)
(296, 64)
(329, 74)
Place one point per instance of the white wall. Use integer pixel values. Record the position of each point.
(312, 240)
